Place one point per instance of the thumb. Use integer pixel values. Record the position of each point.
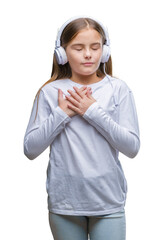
(60, 94)
(89, 94)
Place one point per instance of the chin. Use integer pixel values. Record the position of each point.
(88, 73)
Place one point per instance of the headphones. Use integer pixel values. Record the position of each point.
(60, 52)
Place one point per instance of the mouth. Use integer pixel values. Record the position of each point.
(88, 63)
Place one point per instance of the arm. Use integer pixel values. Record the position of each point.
(122, 134)
(41, 132)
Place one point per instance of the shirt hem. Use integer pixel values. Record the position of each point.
(86, 213)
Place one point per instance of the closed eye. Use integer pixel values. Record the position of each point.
(93, 48)
(96, 46)
(78, 49)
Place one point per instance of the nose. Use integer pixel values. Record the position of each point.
(87, 53)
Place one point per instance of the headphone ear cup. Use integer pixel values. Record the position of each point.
(61, 55)
(105, 54)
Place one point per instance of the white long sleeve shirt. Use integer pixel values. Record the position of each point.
(84, 175)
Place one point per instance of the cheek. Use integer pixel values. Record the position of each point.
(98, 55)
(98, 58)
(73, 58)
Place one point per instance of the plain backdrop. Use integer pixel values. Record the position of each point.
(28, 32)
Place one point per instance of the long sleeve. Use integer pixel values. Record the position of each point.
(123, 134)
(42, 131)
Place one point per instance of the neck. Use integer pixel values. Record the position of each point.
(86, 80)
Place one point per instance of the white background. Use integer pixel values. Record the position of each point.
(28, 33)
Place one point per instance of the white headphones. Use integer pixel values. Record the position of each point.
(60, 53)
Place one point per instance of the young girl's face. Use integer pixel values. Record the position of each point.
(84, 52)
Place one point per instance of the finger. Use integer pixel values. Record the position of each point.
(79, 92)
(90, 91)
(73, 108)
(83, 88)
(83, 93)
(89, 95)
(74, 95)
(60, 94)
(72, 100)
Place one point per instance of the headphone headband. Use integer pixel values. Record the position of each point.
(58, 41)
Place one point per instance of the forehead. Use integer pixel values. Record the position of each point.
(87, 35)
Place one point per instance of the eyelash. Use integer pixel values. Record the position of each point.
(92, 49)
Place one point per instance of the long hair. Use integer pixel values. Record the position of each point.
(69, 33)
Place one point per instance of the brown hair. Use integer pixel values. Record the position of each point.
(70, 32)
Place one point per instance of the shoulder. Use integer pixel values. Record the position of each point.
(52, 87)
(119, 84)
(120, 88)
(56, 83)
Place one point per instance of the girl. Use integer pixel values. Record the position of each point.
(87, 117)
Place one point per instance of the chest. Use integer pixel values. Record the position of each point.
(104, 94)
